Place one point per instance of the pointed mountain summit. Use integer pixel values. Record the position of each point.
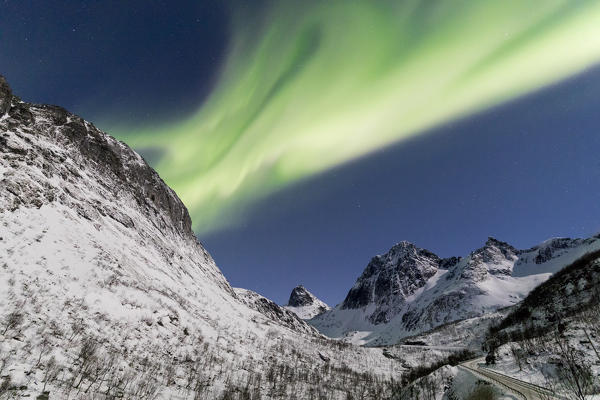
(390, 279)
(305, 304)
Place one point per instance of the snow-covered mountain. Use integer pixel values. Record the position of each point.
(411, 290)
(105, 288)
(107, 293)
(305, 304)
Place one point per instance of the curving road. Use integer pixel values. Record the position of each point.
(521, 389)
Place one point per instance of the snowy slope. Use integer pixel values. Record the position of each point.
(554, 332)
(279, 315)
(305, 304)
(105, 288)
(411, 290)
(466, 333)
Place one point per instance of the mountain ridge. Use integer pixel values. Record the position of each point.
(409, 290)
(109, 293)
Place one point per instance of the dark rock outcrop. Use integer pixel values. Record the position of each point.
(390, 278)
(305, 304)
(5, 96)
(398, 273)
(300, 297)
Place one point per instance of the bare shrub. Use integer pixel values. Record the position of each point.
(5, 385)
(52, 369)
(574, 373)
(12, 321)
(483, 391)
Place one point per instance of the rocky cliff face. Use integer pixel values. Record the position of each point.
(390, 279)
(305, 304)
(411, 290)
(6, 96)
(300, 297)
(106, 291)
(51, 139)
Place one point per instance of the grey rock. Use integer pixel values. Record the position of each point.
(390, 278)
(300, 297)
(5, 96)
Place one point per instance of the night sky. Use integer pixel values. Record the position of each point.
(306, 139)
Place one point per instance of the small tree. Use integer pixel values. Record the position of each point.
(51, 373)
(12, 321)
(44, 344)
(86, 359)
(482, 392)
(5, 385)
(589, 322)
(574, 374)
(517, 354)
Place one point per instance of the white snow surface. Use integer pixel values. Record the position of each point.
(306, 312)
(462, 334)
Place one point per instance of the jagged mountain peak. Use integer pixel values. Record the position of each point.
(405, 250)
(402, 255)
(505, 248)
(493, 242)
(305, 304)
(495, 257)
(391, 278)
(300, 296)
(403, 245)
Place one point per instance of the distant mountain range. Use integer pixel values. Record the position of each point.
(410, 290)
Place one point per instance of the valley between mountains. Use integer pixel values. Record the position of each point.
(106, 293)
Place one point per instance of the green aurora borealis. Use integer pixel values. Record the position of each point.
(310, 85)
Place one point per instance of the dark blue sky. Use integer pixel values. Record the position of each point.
(114, 60)
(522, 172)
